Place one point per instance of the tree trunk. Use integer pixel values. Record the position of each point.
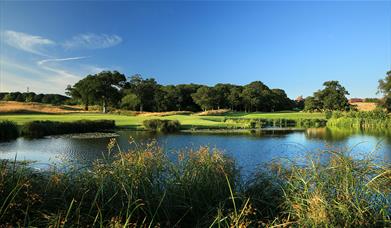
(104, 107)
(86, 106)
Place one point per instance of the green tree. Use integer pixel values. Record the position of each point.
(256, 97)
(185, 98)
(102, 87)
(385, 88)
(145, 90)
(205, 97)
(332, 97)
(130, 102)
(84, 91)
(280, 101)
(222, 91)
(107, 85)
(234, 97)
(312, 104)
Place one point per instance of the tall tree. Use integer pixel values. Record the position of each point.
(83, 90)
(234, 98)
(385, 88)
(205, 98)
(222, 91)
(280, 100)
(332, 97)
(312, 104)
(102, 87)
(107, 85)
(256, 97)
(145, 90)
(130, 102)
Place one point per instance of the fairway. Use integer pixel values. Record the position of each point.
(187, 121)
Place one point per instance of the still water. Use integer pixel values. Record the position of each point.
(248, 148)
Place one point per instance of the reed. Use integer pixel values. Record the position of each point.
(280, 122)
(144, 187)
(357, 119)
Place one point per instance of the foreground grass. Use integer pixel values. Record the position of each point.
(200, 188)
(188, 121)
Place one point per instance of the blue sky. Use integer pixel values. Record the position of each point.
(291, 45)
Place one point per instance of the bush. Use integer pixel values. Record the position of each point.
(37, 129)
(159, 125)
(8, 130)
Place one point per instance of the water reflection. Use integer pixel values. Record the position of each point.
(249, 148)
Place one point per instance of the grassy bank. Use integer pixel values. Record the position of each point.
(187, 121)
(200, 188)
(365, 120)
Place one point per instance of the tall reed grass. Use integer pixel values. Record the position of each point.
(360, 119)
(199, 188)
(281, 122)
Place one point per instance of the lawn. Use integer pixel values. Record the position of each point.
(135, 121)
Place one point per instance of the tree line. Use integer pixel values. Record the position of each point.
(111, 88)
(114, 89)
(54, 99)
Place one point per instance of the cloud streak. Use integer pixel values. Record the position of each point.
(44, 65)
(92, 41)
(26, 42)
(60, 60)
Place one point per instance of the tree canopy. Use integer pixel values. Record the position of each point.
(136, 93)
(385, 88)
(332, 97)
(102, 88)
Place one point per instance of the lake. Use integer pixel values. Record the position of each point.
(248, 148)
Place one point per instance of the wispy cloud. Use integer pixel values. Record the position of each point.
(60, 72)
(60, 60)
(92, 41)
(23, 41)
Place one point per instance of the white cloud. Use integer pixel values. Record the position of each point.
(60, 60)
(92, 41)
(26, 42)
(60, 72)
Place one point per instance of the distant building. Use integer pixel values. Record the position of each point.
(355, 100)
(299, 99)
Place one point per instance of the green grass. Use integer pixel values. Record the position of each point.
(188, 121)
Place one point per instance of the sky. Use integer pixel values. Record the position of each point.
(291, 45)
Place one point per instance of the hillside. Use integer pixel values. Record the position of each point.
(31, 107)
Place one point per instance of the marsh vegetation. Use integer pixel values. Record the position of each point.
(203, 187)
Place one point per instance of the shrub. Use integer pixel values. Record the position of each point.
(8, 130)
(36, 129)
(159, 125)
